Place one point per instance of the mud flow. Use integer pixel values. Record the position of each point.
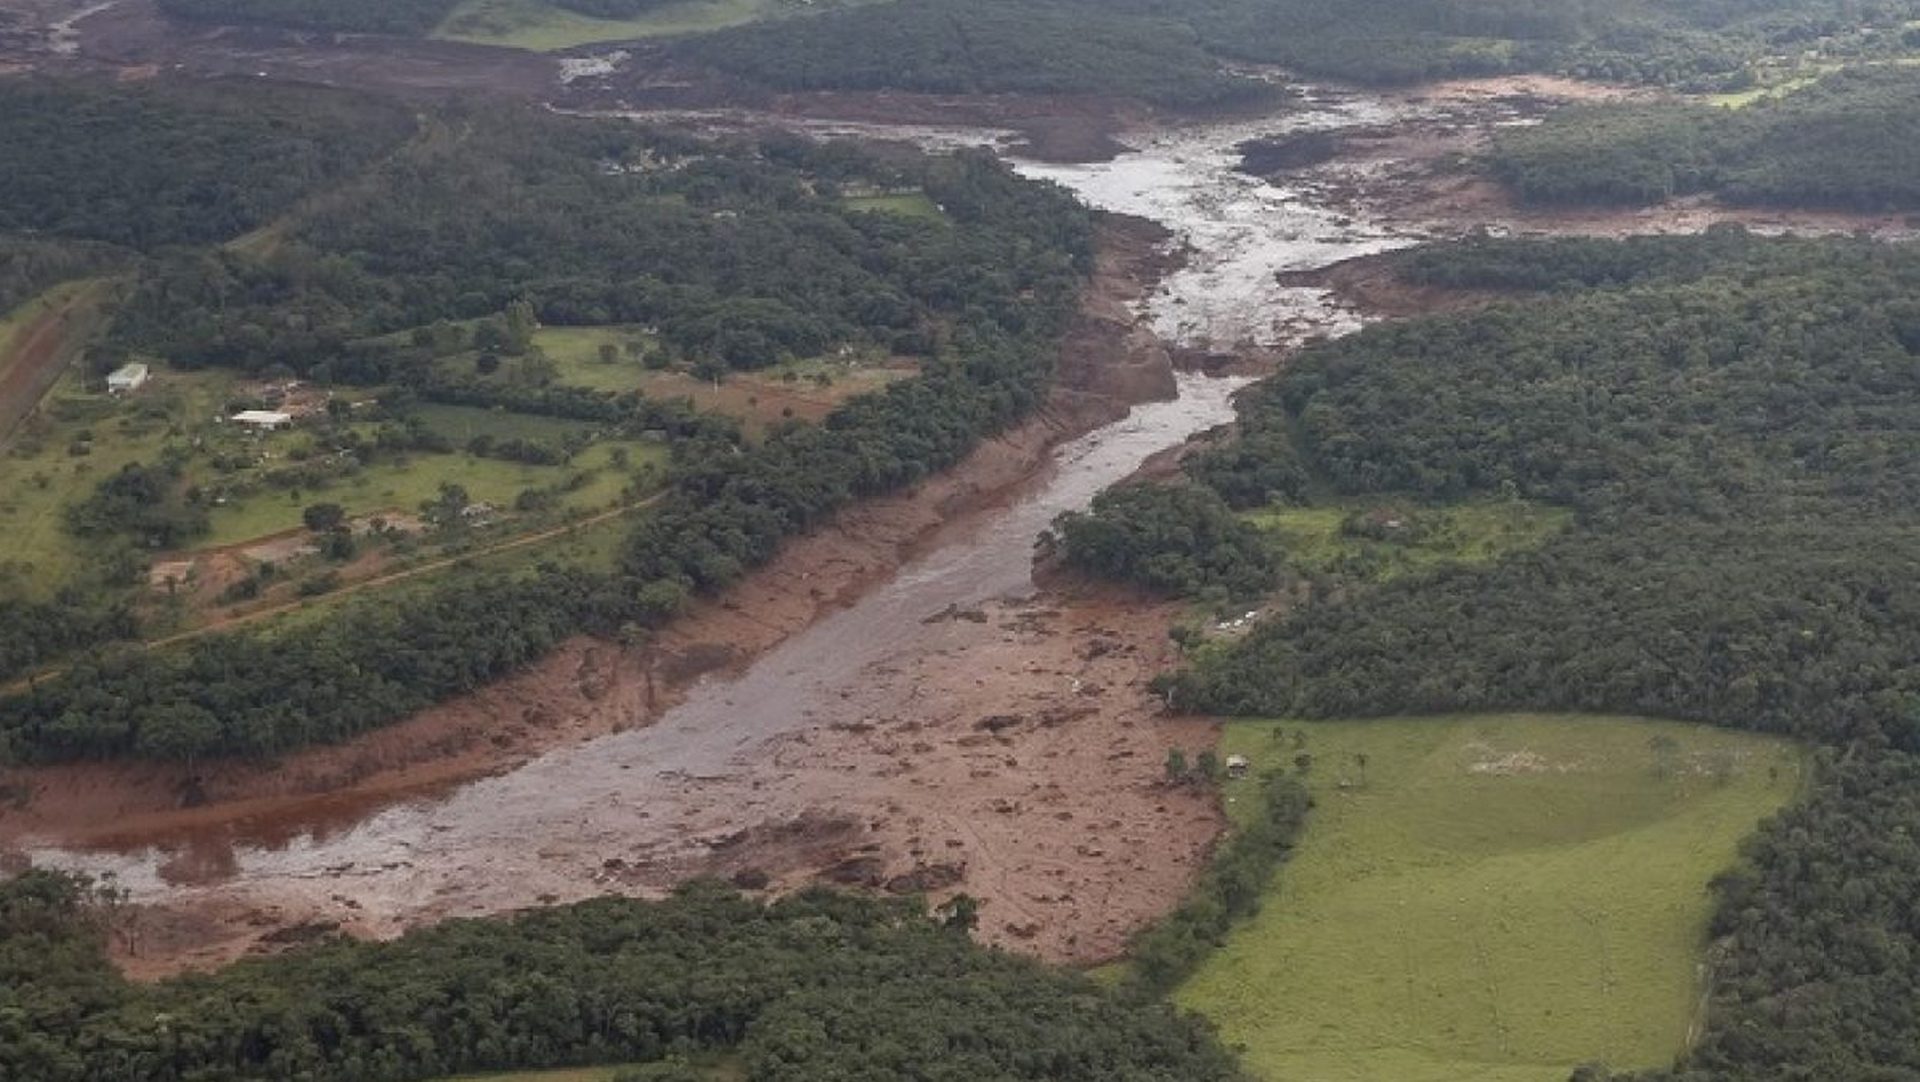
(951, 728)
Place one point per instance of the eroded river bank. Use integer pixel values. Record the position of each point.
(894, 704)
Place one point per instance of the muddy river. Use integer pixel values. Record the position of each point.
(540, 832)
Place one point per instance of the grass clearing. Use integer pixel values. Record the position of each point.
(1375, 541)
(1495, 897)
(577, 355)
(905, 204)
(544, 27)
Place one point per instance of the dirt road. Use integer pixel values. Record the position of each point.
(40, 351)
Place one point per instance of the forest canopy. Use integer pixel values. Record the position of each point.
(176, 163)
(1850, 141)
(811, 987)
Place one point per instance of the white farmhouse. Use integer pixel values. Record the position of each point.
(127, 378)
(263, 420)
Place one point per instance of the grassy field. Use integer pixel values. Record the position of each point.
(1487, 898)
(41, 474)
(906, 204)
(532, 24)
(404, 486)
(575, 352)
(1391, 539)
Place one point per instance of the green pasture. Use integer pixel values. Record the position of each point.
(575, 352)
(406, 484)
(1497, 898)
(1316, 541)
(79, 439)
(905, 204)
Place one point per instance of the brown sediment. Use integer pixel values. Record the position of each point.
(1373, 285)
(1429, 172)
(588, 688)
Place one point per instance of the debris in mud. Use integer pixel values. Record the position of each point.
(856, 872)
(955, 612)
(1285, 153)
(926, 878)
(998, 723)
(296, 935)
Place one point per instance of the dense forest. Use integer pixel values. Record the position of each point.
(177, 164)
(1850, 141)
(408, 17)
(1735, 424)
(814, 986)
(403, 17)
(29, 266)
(738, 252)
(976, 47)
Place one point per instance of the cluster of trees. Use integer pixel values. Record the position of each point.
(811, 987)
(29, 266)
(738, 252)
(1735, 423)
(1847, 141)
(409, 17)
(979, 47)
(142, 503)
(168, 163)
(1174, 539)
(988, 290)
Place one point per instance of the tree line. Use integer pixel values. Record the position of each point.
(176, 162)
(813, 986)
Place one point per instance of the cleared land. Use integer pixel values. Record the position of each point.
(1376, 540)
(1497, 898)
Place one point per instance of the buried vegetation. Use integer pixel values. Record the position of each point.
(1495, 897)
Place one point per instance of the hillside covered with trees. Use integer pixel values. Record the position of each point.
(812, 987)
(1734, 423)
(735, 255)
(1847, 142)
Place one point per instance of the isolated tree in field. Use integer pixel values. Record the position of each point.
(520, 326)
(444, 510)
(1176, 765)
(324, 517)
(1360, 764)
(609, 353)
